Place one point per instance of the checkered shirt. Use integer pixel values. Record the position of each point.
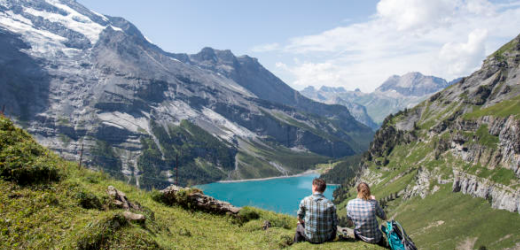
(363, 214)
(319, 215)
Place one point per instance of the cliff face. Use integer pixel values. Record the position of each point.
(462, 141)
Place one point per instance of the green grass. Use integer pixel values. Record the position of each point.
(508, 47)
(72, 211)
(501, 109)
(486, 139)
(462, 217)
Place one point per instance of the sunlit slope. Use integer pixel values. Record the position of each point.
(49, 203)
(448, 169)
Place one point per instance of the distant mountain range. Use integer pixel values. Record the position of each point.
(84, 82)
(395, 94)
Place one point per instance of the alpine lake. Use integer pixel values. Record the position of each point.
(282, 195)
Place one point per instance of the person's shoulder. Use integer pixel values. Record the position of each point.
(329, 202)
(306, 198)
(355, 200)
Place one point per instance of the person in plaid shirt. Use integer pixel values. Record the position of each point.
(317, 219)
(362, 212)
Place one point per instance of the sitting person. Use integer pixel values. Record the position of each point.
(362, 212)
(317, 220)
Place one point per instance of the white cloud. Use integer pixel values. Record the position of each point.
(445, 38)
(412, 14)
(265, 47)
(460, 58)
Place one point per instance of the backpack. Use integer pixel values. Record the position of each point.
(397, 237)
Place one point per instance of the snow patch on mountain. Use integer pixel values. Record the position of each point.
(41, 41)
(116, 28)
(74, 21)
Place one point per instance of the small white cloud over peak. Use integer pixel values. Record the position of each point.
(265, 47)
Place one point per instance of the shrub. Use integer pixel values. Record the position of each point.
(247, 214)
(22, 160)
(97, 235)
(88, 200)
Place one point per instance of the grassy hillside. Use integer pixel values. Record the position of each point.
(49, 203)
(448, 169)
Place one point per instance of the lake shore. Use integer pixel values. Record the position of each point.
(308, 172)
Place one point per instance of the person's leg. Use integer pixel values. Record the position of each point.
(383, 242)
(300, 233)
(333, 236)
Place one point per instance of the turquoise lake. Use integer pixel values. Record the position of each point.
(281, 195)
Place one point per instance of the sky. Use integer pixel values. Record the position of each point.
(340, 43)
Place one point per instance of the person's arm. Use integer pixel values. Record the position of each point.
(301, 212)
(334, 218)
(350, 223)
(380, 212)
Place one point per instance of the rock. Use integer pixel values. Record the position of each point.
(119, 199)
(500, 196)
(267, 225)
(134, 217)
(194, 198)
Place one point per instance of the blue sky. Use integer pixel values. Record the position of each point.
(353, 44)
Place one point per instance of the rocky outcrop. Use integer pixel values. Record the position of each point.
(195, 199)
(507, 151)
(119, 200)
(500, 196)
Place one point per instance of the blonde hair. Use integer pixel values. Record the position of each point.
(363, 191)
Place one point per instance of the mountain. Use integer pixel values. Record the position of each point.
(413, 84)
(92, 87)
(448, 169)
(331, 95)
(49, 203)
(394, 95)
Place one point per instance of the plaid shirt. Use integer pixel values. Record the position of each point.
(363, 214)
(319, 215)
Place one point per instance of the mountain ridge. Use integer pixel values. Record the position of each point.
(394, 94)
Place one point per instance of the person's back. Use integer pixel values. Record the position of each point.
(317, 217)
(362, 211)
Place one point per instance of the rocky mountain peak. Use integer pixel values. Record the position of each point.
(206, 54)
(413, 84)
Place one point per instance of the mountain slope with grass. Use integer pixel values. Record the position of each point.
(49, 203)
(449, 168)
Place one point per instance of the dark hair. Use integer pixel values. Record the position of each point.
(363, 191)
(320, 184)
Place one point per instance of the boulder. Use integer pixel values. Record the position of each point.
(119, 199)
(194, 198)
(134, 217)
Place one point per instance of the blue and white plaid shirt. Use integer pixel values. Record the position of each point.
(319, 215)
(363, 214)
